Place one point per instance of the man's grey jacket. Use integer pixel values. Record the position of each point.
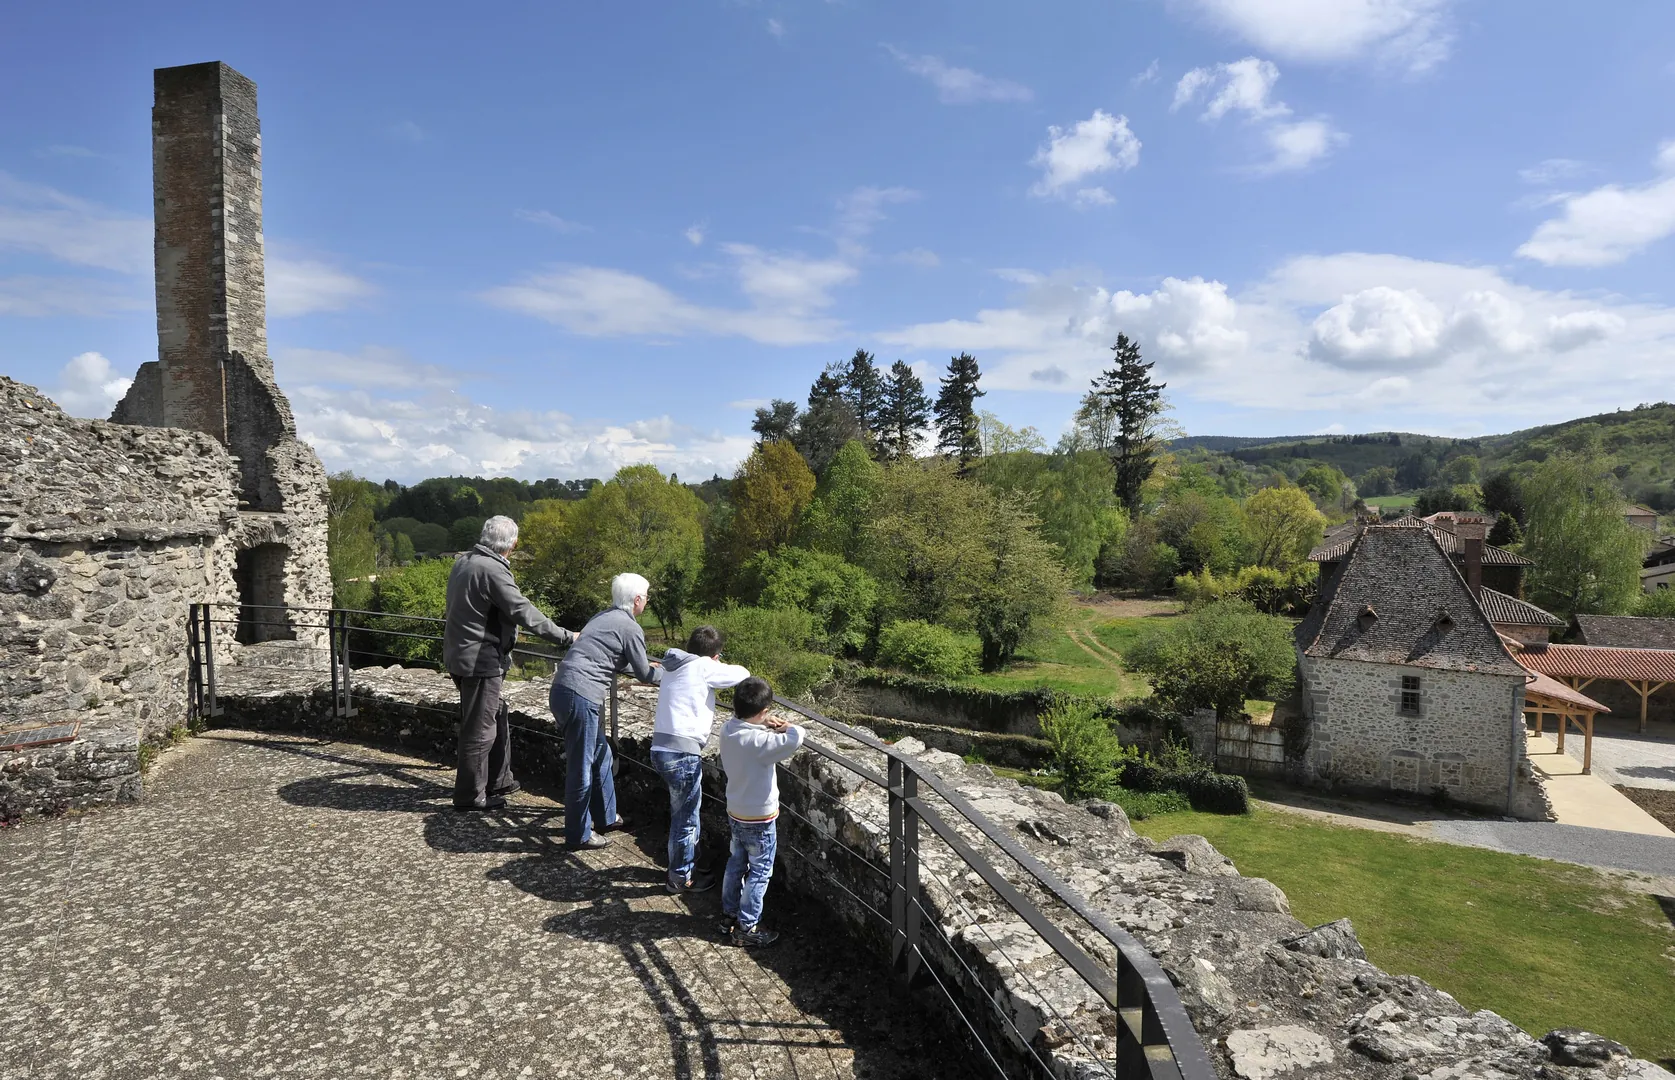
(484, 612)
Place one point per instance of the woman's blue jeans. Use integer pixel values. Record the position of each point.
(683, 775)
(589, 791)
(750, 864)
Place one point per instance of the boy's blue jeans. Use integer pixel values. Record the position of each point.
(589, 790)
(683, 775)
(750, 864)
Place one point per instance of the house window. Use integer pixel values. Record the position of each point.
(1410, 695)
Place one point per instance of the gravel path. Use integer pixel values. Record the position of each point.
(1571, 843)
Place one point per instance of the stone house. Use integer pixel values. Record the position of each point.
(1406, 685)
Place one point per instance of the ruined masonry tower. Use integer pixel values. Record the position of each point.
(212, 372)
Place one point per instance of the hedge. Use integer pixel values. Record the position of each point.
(1206, 789)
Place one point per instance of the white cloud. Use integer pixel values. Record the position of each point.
(33, 296)
(694, 235)
(40, 220)
(552, 221)
(1354, 332)
(923, 258)
(1146, 76)
(447, 433)
(1552, 171)
(1414, 34)
(958, 85)
(750, 404)
(302, 286)
(1245, 87)
(374, 367)
(1101, 143)
(776, 28)
(89, 386)
(1610, 223)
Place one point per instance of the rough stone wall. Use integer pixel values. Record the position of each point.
(1268, 996)
(1467, 741)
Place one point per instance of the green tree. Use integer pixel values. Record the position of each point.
(1506, 531)
(839, 595)
(1071, 492)
(905, 411)
(1460, 470)
(1282, 525)
(401, 550)
(995, 436)
(1587, 556)
(1378, 480)
(863, 388)
(1500, 496)
(829, 421)
(420, 589)
(1434, 500)
(1024, 586)
(351, 546)
(1206, 528)
(779, 644)
(1216, 658)
(772, 487)
(638, 521)
(464, 533)
(1324, 483)
(1135, 402)
(956, 412)
(1095, 424)
(836, 520)
(1658, 604)
(776, 422)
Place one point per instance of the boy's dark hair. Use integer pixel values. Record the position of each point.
(752, 697)
(704, 641)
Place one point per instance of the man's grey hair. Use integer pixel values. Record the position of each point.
(500, 534)
(626, 588)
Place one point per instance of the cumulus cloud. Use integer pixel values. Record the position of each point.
(1552, 171)
(1413, 34)
(1338, 332)
(40, 220)
(1610, 223)
(37, 296)
(958, 85)
(1101, 143)
(372, 367)
(89, 386)
(447, 433)
(303, 286)
(1245, 88)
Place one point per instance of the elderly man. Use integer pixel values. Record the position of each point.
(484, 612)
(612, 641)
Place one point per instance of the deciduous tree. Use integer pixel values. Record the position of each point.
(1587, 557)
(1215, 658)
(776, 421)
(1282, 524)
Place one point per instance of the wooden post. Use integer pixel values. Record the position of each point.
(1588, 744)
(1560, 716)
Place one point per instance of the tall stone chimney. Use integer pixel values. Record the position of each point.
(1471, 534)
(212, 372)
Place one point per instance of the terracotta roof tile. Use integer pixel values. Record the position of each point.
(1549, 687)
(1600, 662)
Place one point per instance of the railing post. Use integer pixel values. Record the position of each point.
(910, 872)
(194, 676)
(211, 708)
(340, 619)
(898, 865)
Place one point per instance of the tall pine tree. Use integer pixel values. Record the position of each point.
(829, 422)
(956, 412)
(863, 388)
(1135, 403)
(904, 412)
(776, 422)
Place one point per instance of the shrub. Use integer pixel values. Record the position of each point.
(1206, 789)
(925, 649)
(1216, 657)
(1085, 749)
(776, 643)
(839, 595)
(420, 589)
(1140, 805)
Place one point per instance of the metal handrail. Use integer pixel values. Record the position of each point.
(1156, 1038)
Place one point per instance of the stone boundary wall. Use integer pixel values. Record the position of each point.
(1269, 996)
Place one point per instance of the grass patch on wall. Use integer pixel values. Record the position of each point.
(1544, 944)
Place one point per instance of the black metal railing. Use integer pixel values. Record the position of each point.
(1154, 1037)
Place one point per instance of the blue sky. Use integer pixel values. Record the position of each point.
(553, 239)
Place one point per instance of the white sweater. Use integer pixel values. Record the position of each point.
(749, 753)
(686, 699)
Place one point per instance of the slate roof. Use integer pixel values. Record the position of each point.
(1336, 544)
(1600, 662)
(1626, 631)
(1408, 582)
(1510, 611)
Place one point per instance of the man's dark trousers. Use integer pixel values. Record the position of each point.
(485, 741)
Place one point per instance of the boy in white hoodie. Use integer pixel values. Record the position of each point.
(685, 715)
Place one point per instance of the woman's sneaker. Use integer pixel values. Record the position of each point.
(755, 937)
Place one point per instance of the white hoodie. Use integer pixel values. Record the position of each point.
(686, 699)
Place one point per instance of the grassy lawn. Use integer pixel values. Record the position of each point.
(1544, 944)
(1084, 654)
(1404, 501)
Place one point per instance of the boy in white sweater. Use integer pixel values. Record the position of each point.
(752, 746)
(685, 715)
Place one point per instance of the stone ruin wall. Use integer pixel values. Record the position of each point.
(1466, 742)
(1268, 995)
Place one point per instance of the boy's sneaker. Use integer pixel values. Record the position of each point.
(728, 925)
(755, 937)
(697, 883)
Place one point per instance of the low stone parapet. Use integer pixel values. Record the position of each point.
(95, 769)
(1268, 995)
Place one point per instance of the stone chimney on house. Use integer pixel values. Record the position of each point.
(1471, 532)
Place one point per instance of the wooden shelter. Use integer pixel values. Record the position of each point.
(1545, 696)
(1645, 671)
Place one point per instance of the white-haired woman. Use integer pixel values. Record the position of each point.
(612, 641)
(483, 614)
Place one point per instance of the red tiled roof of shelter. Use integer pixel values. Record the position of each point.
(1549, 687)
(1600, 662)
